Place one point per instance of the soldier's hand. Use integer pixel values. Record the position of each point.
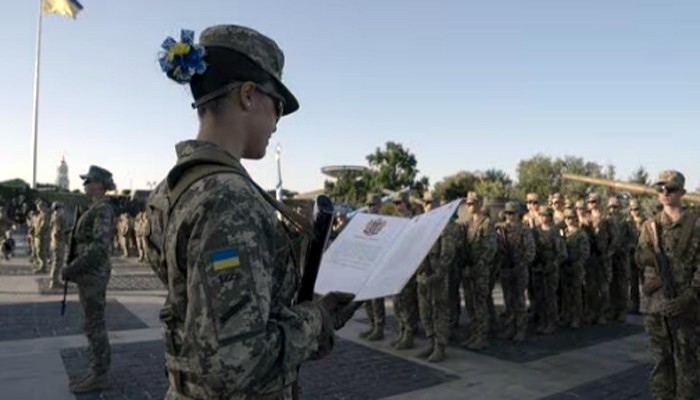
(672, 308)
(339, 307)
(651, 285)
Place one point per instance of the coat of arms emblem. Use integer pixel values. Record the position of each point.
(374, 226)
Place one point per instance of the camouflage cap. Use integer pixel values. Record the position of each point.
(569, 213)
(580, 204)
(568, 204)
(544, 210)
(262, 50)
(372, 199)
(99, 174)
(532, 197)
(511, 207)
(634, 203)
(472, 197)
(557, 196)
(593, 196)
(671, 179)
(428, 197)
(613, 202)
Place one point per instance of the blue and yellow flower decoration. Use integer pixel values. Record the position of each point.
(181, 60)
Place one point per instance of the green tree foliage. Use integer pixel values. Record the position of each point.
(639, 176)
(494, 183)
(536, 175)
(394, 168)
(542, 175)
(456, 186)
(351, 188)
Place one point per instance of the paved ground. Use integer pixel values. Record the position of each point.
(43, 349)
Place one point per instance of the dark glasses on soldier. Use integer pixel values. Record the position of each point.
(666, 190)
(592, 201)
(634, 209)
(471, 203)
(533, 202)
(279, 103)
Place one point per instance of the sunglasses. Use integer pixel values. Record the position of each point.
(470, 204)
(634, 209)
(279, 102)
(396, 203)
(569, 218)
(614, 207)
(592, 201)
(533, 202)
(667, 190)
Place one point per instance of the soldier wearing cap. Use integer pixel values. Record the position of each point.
(59, 240)
(619, 287)
(636, 220)
(406, 302)
(375, 308)
(573, 270)
(551, 252)
(533, 205)
(603, 238)
(558, 208)
(233, 326)
(516, 248)
(42, 237)
(482, 243)
(671, 312)
(90, 269)
(432, 279)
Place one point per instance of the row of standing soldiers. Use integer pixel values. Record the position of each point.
(573, 263)
(48, 236)
(130, 235)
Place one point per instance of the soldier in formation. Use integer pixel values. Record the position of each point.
(406, 302)
(60, 231)
(550, 253)
(636, 220)
(574, 270)
(375, 308)
(140, 233)
(125, 228)
(41, 237)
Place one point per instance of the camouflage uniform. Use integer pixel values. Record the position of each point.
(59, 241)
(433, 290)
(599, 266)
(619, 286)
(675, 372)
(517, 251)
(551, 252)
(406, 302)
(91, 270)
(482, 243)
(42, 238)
(635, 272)
(140, 231)
(231, 295)
(573, 274)
(123, 232)
(375, 308)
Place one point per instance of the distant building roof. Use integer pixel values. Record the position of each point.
(335, 171)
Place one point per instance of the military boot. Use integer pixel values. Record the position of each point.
(438, 353)
(425, 353)
(78, 378)
(92, 383)
(377, 334)
(399, 339)
(406, 342)
(479, 342)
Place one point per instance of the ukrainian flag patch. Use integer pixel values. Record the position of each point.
(225, 259)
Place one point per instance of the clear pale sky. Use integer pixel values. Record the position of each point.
(463, 84)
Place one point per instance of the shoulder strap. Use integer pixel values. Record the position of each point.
(686, 232)
(190, 176)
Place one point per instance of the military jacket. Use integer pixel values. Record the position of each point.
(93, 237)
(481, 242)
(551, 250)
(520, 246)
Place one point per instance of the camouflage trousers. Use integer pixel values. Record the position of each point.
(454, 282)
(141, 247)
(673, 377)
(433, 306)
(494, 275)
(124, 246)
(619, 287)
(58, 259)
(572, 295)
(596, 291)
(376, 312)
(196, 392)
(92, 306)
(636, 278)
(406, 307)
(515, 284)
(545, 282)
(476, 292)
(41, 252)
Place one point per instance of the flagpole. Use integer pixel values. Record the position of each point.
(35, 116)
(278, 156)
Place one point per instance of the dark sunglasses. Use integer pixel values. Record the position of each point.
(667, 190)
(470, 204)
(634, 209)
(592, 201)
(533, 202)
(569, 217)
(279, 103)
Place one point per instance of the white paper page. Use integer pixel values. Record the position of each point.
(408, 252)
(357, 252)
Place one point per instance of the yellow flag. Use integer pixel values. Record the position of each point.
(68, 8)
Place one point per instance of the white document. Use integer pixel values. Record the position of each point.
(376, 255)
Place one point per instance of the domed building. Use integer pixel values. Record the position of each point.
(62, 175)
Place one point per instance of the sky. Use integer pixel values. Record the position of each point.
(465, 85)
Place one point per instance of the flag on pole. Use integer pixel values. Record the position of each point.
(67, 8)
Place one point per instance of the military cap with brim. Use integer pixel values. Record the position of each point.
(373, 199)
(511, 207)
(259, 48)
(100, 174)
(671, 179)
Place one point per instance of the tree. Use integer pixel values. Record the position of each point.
(536, 175)
(394, 168)
(640, 176)
(351, 187)
(455, 186)
(494, 183)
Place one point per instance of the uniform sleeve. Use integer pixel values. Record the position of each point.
(529, 247)
(560, 249)
(489, 244)
(97, 251)
(234, 260)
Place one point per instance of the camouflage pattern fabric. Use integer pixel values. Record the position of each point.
(514, 276)
(551, 252)
(675, 371)
(481, 239)
(376, 313)
(91, 270)
(232, 327)
(573, 275)
(59, 242)
(42, 239)
(635, 272)
(598, 272)
(619, 285)
(406, 307)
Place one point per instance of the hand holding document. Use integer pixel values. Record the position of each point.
(376, 255)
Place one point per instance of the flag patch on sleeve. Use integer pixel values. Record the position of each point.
(225, 259)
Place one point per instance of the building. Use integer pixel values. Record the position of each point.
(62, 175)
